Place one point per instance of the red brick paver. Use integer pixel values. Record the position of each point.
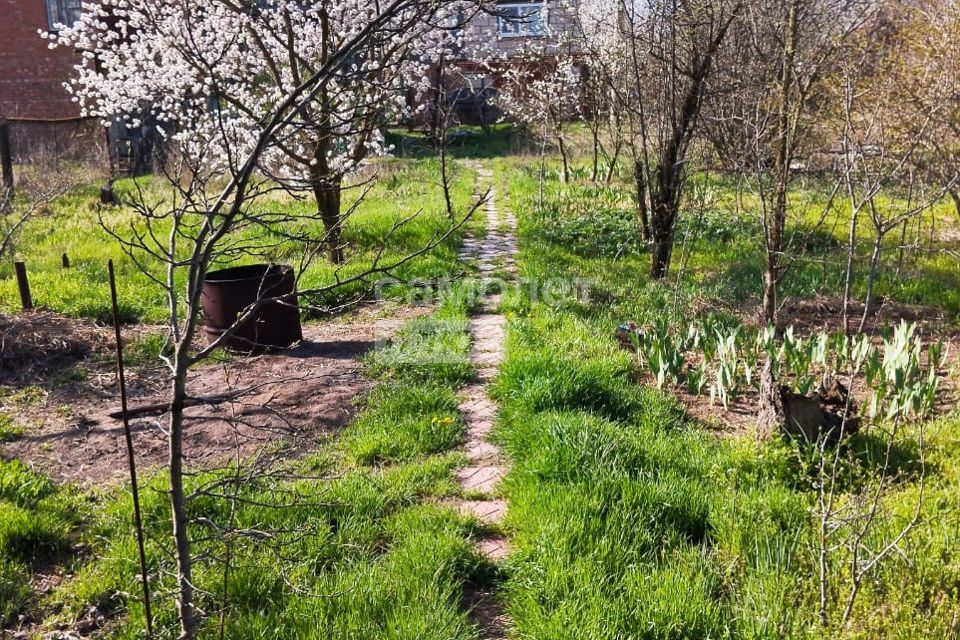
(479, 481)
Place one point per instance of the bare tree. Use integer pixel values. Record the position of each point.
(781, 67)
(887, 134)
(926, 39)
(669, 53)
(41, 182)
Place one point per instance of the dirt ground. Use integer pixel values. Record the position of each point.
(59, 385)
(825, 313)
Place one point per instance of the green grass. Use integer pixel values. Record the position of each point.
(404, 422)
(631, 520)
(8, 429)
(405, 187)
(353, 542)
(360, 556)
(426, 348)
(718, 240)
(38, 524)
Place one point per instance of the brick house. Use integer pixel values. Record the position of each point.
(516, 26)
(32, 97)
(518, 32)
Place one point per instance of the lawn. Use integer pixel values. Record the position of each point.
(632, 520)
(628, 517)
(402, 188)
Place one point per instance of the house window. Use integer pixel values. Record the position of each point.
(62, 12)
(522, 19)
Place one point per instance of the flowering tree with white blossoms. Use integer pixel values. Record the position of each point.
(544, 98)
(209, 74)
(253, 97)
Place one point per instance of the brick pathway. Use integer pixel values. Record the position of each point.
(486, 466)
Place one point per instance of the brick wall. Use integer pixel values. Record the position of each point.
(31, 74)
(482, 36)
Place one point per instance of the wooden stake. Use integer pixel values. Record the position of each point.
(6, 158)
(138, 521)
(26, 301)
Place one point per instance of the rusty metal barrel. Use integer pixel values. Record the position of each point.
(228, 293)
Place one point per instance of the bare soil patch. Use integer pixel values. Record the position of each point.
(279, 402)
(739, 417)
(35, 344)
(486, 611)
(825, 313)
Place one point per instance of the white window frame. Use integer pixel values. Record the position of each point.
(65, 12)
(523, 29)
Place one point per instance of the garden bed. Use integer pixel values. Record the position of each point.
(806, 319)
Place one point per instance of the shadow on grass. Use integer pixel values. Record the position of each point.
(863, 459)
(868, 450)
(465, 142)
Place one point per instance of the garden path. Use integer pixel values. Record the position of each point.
(494, 257)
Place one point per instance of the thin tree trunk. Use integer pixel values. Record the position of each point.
(665, 191)
(771, 412)
(663, 208)
(543, 174)
(326, 192)
(662, 252)
(848, 279)
(437, 106)
(778, 213)
(613, 162)
(871, 278)
(901, 250)
(440, 128)
(641, 180)
(824, 567)
(662, 231)
(188, 625)
(595, 173)
(444, 178)
(563, 158)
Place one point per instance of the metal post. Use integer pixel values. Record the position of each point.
(6, 158)
(23, 285)
(138, 521)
